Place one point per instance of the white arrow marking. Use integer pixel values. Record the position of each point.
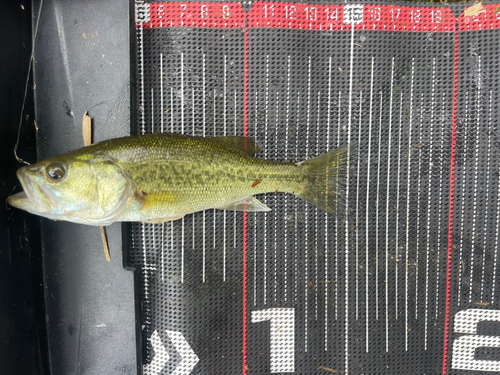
(189, 358)
(161, 356)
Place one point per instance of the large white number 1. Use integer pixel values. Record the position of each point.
(282, 337)
(464, 348)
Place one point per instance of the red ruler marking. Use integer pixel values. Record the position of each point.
(296, 16)
(312, 17)
(452, 196)
(339, 17)
(395, 18)
(488, 19)
(192, 14)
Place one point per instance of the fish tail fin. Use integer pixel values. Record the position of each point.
(325, 180)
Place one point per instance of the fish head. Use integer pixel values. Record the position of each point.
(86, 189)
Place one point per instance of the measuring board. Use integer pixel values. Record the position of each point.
(406, 282)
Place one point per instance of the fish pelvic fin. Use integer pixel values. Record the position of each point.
(156, 207)
(325, 180)
(250, 204)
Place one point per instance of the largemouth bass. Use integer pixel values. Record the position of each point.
(161, 177)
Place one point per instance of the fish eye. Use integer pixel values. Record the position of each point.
(56, 171)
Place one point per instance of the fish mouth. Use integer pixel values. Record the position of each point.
(21, 201)
(30, 199)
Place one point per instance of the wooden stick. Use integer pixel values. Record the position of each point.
(105, 243)
(329, 369)
(87, 140)
(87, 129)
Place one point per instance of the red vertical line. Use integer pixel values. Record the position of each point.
(452, 192)
(245, 114)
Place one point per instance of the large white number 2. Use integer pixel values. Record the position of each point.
(463, 356)
(282, 337)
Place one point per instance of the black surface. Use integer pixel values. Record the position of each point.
(209, 315)
(383, 275)
(474, 278)
(23, 344)
(82, 64)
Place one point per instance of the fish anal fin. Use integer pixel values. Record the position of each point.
(246, 144)
(250, 204)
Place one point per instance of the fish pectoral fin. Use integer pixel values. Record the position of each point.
(246, 144)
(155, 204)
(163, 219)
(250, 204)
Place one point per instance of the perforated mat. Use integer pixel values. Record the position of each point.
(404, 284)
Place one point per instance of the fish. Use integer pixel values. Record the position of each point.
(160, 177)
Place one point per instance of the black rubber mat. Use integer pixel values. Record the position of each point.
(406, 282)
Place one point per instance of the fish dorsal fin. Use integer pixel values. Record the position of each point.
(250, 204)
(245, 144)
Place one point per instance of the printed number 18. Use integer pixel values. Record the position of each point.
(415, 16)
